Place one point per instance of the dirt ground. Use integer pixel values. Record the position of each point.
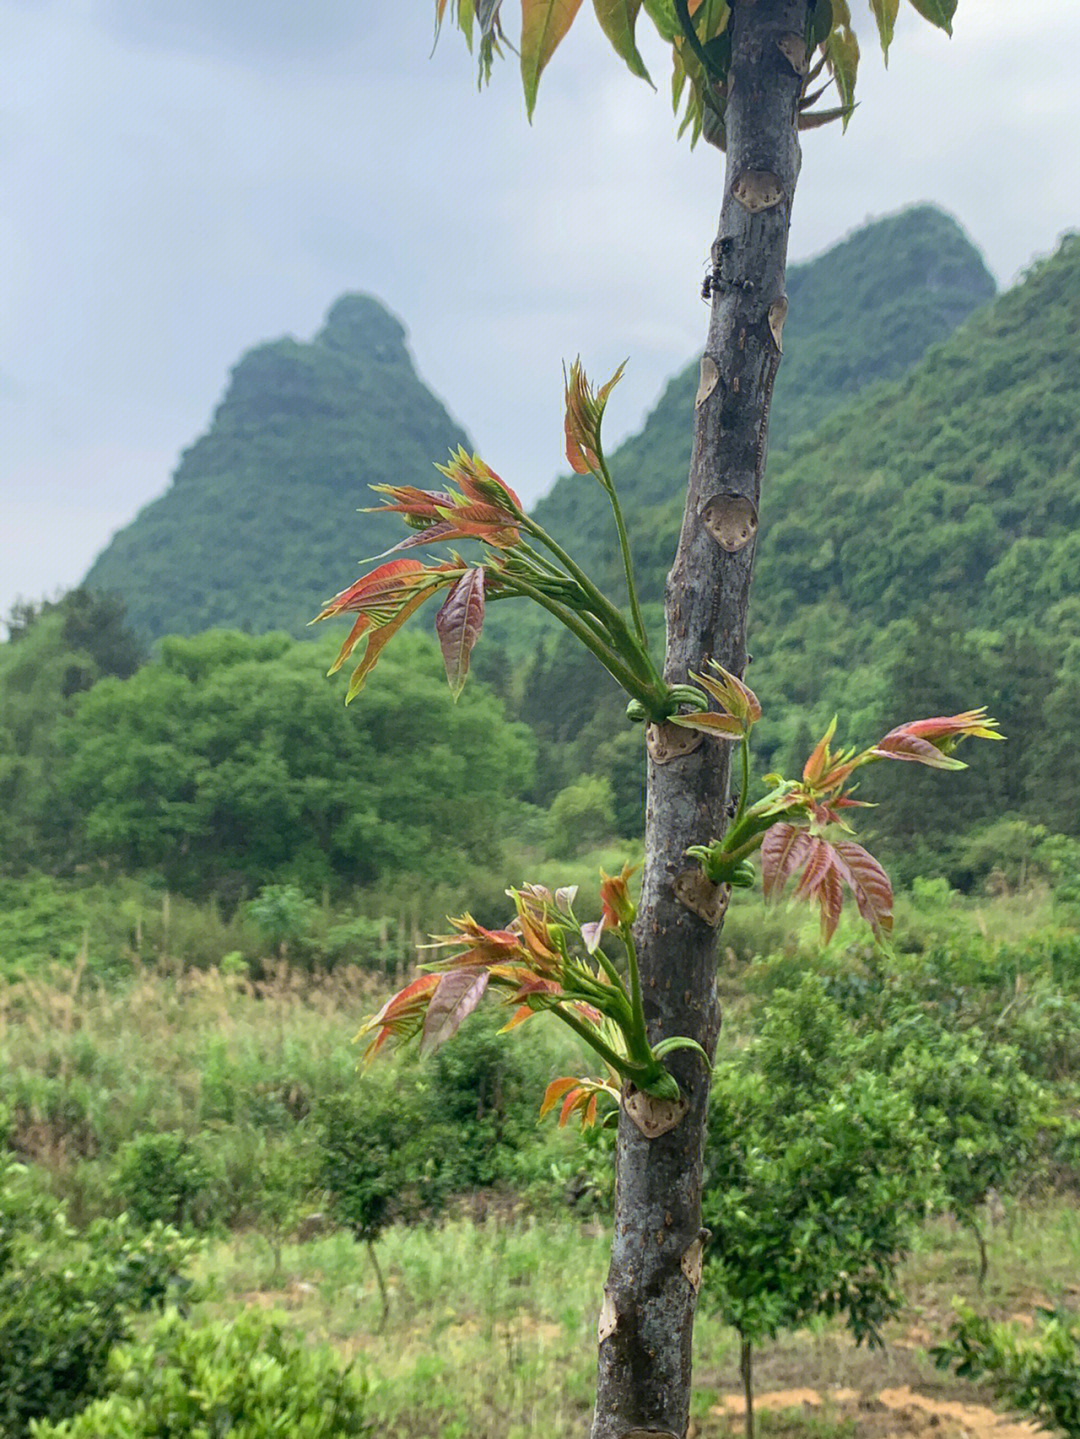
(897, 1413)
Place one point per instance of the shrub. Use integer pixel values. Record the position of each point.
(245, 1378)
(64, 1304)
(581, 815)
(1037, 1375)
(163, 1177)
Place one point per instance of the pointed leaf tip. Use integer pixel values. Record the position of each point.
(544, 24)
(458, 625)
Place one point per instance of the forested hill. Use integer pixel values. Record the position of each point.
(260, 523)
(261, 516)
(919, 554)
(865, 310)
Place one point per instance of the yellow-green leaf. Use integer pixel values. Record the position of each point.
(662, 14)
(938, 12)
(842, 57)
(617, 20)
(885, 12)
(543, 25)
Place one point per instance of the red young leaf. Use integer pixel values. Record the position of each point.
(818, 863)
(783, 850)
(458, 625)
(478, 481)
(915, 748)
(931, 741)
(519, 1016)
(618, 907)
(710, 722)
(570, 1103)
(378, 641)
(555, 1091)
(402, 1014)
(734, 697)
(868, 883)
(817, 764)
(417, 505)
(387, 579)
(458, 994)
(831, 899)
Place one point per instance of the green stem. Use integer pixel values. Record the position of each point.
(632, 683)
(601, 996)
(618, 1062)
(604, 609)
(745, 746)
(609, 969)
(627, 558)
(744, 851)
(640, 1035)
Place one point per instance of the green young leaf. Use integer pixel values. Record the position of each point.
(841, 50)
(458, 625)
(822, 21)
(938, 12)
(662, 14)
(617, 20)
(680, 1041)
(543, 25)
(885, 12)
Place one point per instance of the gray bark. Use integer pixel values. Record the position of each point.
(645, 1363)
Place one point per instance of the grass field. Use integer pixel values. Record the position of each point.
(491, 1326)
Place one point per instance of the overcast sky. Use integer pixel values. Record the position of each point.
(180, 179)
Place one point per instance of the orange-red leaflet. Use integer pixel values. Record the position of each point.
(618, 907)
(555, 1091)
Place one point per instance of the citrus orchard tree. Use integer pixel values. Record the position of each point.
(747, 77)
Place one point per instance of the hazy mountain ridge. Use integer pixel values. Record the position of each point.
(260, 523)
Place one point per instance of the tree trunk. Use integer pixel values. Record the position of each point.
(647, 1318)
(381, 1283)
(984, 1261)
(746, 1369)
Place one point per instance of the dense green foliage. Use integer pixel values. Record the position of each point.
(229, 761)
(247, 1378)
(66, 1300)
(250, 533)
(53, 655)
(818, 1172)
(1038, 1376)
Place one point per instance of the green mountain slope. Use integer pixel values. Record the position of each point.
(919, 553)
(260, 523)
(866, 310)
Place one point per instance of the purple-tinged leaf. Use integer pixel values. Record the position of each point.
(458, 625)
(783, 850)
(868, 883)
(458, 994)
(591, 934)
(831, 899)
(564, 898)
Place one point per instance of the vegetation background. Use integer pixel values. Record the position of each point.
(210, 871)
